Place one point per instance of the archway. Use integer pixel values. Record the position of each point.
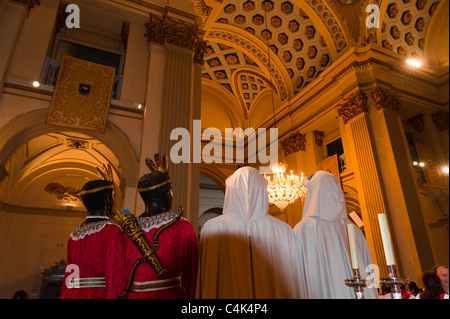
(76, 152)
(211, 197)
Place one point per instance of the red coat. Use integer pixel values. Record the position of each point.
(96, 250)
(177, 252)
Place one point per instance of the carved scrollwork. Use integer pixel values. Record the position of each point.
(417, 122)
(294, 143)
(318, 137)
(352, 106)
(384, 99)
(169, 30)
(440, 120)
(69, 194)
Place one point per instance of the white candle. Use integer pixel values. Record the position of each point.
(352, 244)
(386, 237)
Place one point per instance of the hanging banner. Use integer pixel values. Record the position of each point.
(82, 95)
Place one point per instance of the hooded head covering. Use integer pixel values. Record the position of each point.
(324, 197)
(247, 253)
(322, 241)
(246, 194)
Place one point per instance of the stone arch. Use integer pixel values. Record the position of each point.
(32, 124)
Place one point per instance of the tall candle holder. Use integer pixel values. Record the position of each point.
(357, 284)
(394, 281)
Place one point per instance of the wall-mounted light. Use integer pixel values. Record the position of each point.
(421, 164)
(445, 169)
(36, 84)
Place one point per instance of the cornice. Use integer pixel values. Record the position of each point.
(49, 92)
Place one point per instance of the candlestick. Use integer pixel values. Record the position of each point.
(352, 244)
(394, 281)
(357, 283)
(386, 238)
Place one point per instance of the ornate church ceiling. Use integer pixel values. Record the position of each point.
(254, 44)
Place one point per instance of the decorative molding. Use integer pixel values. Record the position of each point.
(166, 29)
(351, 14)
(237, 86)
(203, 10)
(294, 143)
(384, 99)
(29, 3)
(125, 33)
(199, 51)
(27, 88)
(256, 52)
(61, 17)
(3, 172)
(352, 106)
(318, 137)
(417, 122)
(440, 120)
(50, 93)
(61, 192)
(330, 22)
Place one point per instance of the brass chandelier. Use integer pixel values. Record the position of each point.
(282, 189)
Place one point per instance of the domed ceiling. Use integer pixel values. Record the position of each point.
(286, 45)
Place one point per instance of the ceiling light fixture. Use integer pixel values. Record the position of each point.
(414, 63)
(283, 190)
(36, 84)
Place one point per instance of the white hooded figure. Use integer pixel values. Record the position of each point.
(246, 253)
(323, 245)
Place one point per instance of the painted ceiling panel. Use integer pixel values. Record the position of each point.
(405, 24)
(289, 33)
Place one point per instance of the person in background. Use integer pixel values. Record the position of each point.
(413, 289)
(442, 272)
(20, 294)
(432, 287)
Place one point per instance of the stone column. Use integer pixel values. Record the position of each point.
(151, 119)
(12, 18)
(176, 113)
(408, 230)
(32, 46)
(180, 101)
(294, 150)
(362, 151)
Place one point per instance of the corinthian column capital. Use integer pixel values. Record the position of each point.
(384, 99)
(355, 104)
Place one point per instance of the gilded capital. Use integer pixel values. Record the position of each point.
(29, 3)
(417, 122)
(352, 106)
(384, 99)
(440, 120)
(169, 30)
(294, 143)
(199, 51)
(318, 137)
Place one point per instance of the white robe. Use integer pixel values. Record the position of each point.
(246, 253)
(322, 242)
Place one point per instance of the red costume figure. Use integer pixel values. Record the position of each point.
(95, 250)
(170, 239)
